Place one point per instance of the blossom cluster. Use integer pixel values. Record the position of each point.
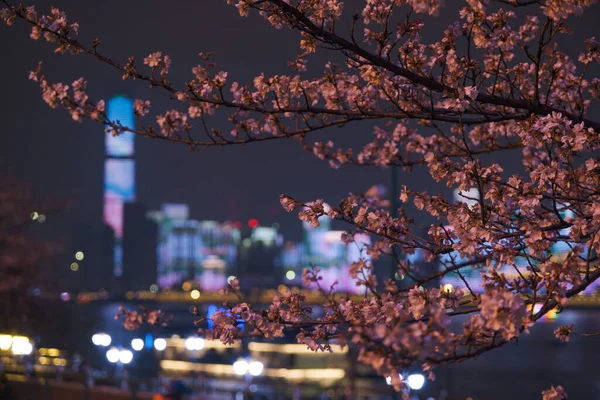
(495, 83)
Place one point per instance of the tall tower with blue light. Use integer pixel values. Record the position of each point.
(119, 172)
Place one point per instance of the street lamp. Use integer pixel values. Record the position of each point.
(112, 355)
(101, 339)
(160, 344)
(137, 344)
(240, 367)
(416, 381)
(125, 356)
(255, 368)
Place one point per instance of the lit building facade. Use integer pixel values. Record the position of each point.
(323, 247)
(119, 173)
(473, 274)
(190, 250)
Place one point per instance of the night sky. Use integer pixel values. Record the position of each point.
(65, 158)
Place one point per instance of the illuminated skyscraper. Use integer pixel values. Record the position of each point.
(190, 250)
(119, 172)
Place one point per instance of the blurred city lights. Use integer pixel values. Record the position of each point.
(240, 367)
(21, 345)
(415, 381)
(154, 288)
(195, 294)
(290, 275)
(79, 255)
(34, 215)
(74, 267)
(255, 368)
(283, 289)
(41, 218)
(137, 344)
(5, 342)
(125, 356)
(194, 343)
(160, 344)
(186, 286)
(230, 279)
(101, 339)
(112, 355)
(64, 296)
(388, 379)
(252, 223)
(448, 288)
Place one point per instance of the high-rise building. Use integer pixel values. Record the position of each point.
(189, 250)
(259, 257)
(140, 237)
(92, 254)
(119, 172)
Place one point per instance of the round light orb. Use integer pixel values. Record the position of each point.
(160, 344)
(112, 355)
(96, 339)
(230, 279)
(125, 356)
(106, 340)
(415, 381)
(186, 286)
(240, 367)
(255, 368)
(195, 294)
(448, 288)
(290, 275)
(74, 267)
(101, 339)
(137, 344)
(194, 343)
(154, 288)
(21, 345)
(79, 255)
(5, 342)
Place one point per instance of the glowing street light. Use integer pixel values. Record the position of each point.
(125, 356)
(113, 355)
(240, 367)
(290, 275)
(21, 345)
(195, 294)
(137, 344)
(160, 344)
(101, 339)
(416, 381)
(255, 368)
